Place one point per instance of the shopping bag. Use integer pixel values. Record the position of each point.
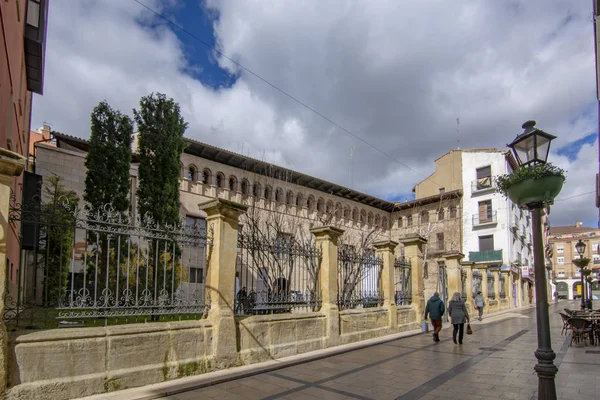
(424, 327)
(469, 330)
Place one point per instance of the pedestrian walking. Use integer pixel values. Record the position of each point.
(556, 296)
(458, 316)
(435, 308)
(479, 304)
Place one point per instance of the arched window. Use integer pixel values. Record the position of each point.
(245, 186)
(355, 215)
(220, 179)
(256, 190)
(299, 200)
(268, 193)
(363, 216)
(377, 220)
(441, 214)
(206, 176)
(400, 222)
(311, 203)
(320, 205)
(338, 210)
(370, 218)
(191, 173)
(329, 207)
(409, 221)
(232, 183)
(289, 198)
(424, 216)
(384, 224)
(279, 195)
(347, 212)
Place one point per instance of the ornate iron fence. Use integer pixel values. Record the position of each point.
(359, 279)
(78, 266)
(490, 284)
(402, 281)
(477, 282)
(276, 275)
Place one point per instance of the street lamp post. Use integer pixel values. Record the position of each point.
(580, 248)
(530, 148)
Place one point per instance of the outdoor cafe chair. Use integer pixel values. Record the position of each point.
(566, 325)
(581, 330)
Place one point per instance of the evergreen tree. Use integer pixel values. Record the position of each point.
(58, 233)
(109, 159)
(161, 128)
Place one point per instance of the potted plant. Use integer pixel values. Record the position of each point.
(540, 183)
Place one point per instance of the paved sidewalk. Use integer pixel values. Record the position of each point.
(496, 362)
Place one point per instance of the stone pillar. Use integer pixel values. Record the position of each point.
(414, 245)
(453, 271)
(469, 270)
(327, 241)
(510, 291)
(519, 291)
(222, 220)
(11, 165)
(385, 250)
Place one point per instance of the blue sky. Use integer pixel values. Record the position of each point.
(198, 21)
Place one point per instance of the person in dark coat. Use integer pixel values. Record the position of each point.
(458, 316)
(435, 308)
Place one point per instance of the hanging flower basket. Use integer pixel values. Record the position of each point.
(539, 184)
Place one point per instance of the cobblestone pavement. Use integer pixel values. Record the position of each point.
(496, 362)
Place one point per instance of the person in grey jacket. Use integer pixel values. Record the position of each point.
(479, 304)
(458, 316)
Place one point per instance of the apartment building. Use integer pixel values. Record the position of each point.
(495, 234)
(562, 252)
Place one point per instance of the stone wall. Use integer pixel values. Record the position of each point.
(363, 324)
(69, 363)
(407, 318)
(267, 337)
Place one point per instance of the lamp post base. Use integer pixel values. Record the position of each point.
(546, 371)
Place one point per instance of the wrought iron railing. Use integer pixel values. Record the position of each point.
(79, 267)
(402, 281)
(359, 279)
(276, 276)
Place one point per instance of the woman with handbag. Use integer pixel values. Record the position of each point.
(458, 316)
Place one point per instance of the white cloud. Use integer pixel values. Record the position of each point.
(396, 73)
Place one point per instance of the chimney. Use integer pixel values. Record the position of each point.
(578, 224)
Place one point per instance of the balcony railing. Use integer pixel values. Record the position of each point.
(485, 255)
(483, 185)
(596, 261)
(486, 218)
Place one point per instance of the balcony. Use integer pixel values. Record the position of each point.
(485, 256)
(596, 261)
(483, 185)
(487, 218)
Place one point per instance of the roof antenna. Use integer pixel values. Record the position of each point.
(457, 134)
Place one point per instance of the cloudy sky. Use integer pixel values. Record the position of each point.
(395, 74)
